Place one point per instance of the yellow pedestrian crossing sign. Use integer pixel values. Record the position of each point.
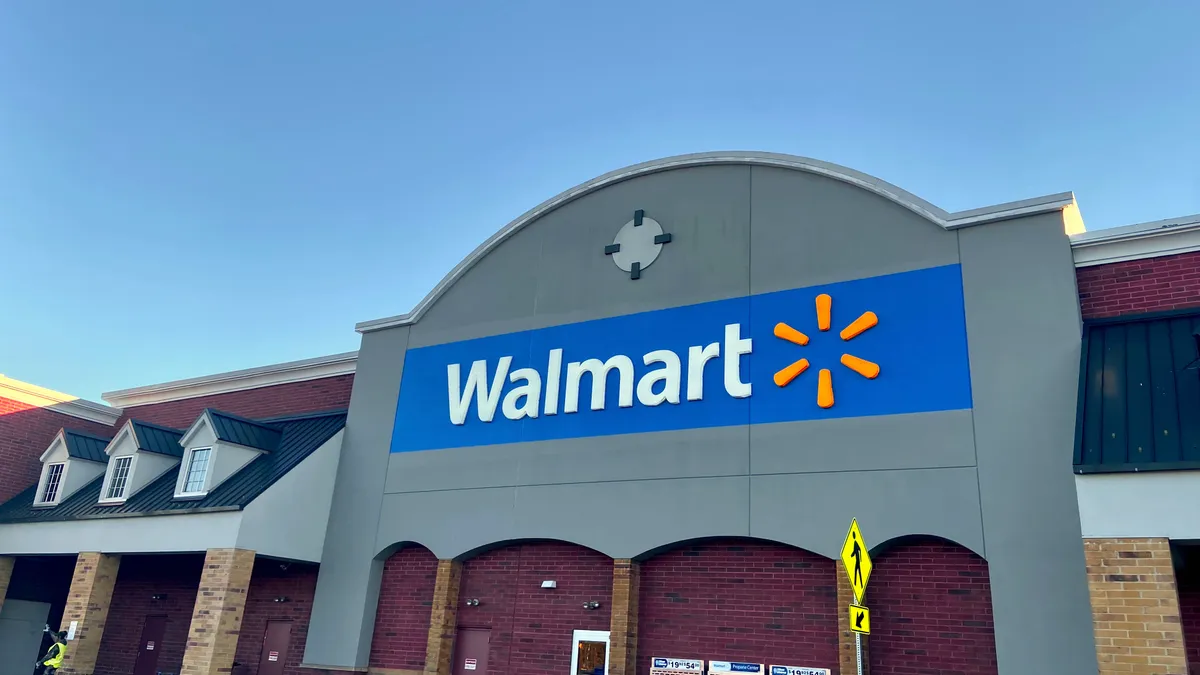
(860, 619)
(857, 561)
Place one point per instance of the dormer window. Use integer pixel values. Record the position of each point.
(140, 454)
(49, 493)
(73, 460)
(119, 479)
(196, 480)
(217, 446)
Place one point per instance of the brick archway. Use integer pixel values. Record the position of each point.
(738, 600)
(931, 610)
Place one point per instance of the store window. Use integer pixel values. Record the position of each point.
(591, 653)
(119, 478)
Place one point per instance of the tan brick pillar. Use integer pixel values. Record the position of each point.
(217, 614)
(1135, 606)
(847, 659)
(443, 620)
(87, 605)
(623, 624)
(6, 569)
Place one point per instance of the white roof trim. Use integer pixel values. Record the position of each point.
(60, 437)
(203, 419)
(1136, 242)
(126, 429)
(238, 380)
(48, 399)
(886, 190)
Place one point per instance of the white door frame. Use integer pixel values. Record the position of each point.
(589, 636)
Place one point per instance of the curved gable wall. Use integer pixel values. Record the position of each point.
(987, 466)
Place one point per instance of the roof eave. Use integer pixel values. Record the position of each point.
(1136, 242)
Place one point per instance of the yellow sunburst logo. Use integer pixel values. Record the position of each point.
(857, 327)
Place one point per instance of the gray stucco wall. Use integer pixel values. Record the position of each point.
(995, 478)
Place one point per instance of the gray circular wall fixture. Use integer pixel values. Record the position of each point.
(637, 244)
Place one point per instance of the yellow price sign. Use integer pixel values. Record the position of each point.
(857, 561)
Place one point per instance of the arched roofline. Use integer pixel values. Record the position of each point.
(391, 549)
(700, 541)
(387, 551)
(883, 547)
(944, 219)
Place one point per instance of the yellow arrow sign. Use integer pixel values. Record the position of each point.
(860, 619)
(857, 561)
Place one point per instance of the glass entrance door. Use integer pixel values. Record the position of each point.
(590, 656)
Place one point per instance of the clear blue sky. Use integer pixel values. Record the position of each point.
(193, 187)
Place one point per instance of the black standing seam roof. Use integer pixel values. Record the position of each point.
(243, 431)
(300, 436)
(153, 438)
(1139, 394)
(86, 446)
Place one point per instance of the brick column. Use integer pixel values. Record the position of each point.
(217, 614)
(87, 604)
(443, 619)
(1135, 606)
(847, 661)
(6, 570)
(623, 626)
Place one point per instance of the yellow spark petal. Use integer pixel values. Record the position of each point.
(824, 303)
(786, 332)
(786, 375)
(860, 325)
(825, 388)
(863, 367)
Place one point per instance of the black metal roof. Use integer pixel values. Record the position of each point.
(243, 431)
(1139, 394)
(81, 445)
(300, 436)
(153, 438)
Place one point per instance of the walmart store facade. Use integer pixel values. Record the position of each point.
(546, 391)
(628, 433)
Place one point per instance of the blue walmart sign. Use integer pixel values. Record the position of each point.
(879, 346)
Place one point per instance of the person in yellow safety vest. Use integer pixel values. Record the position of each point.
(52, 661)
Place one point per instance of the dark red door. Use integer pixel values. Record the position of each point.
(275, 647)
(150, 646)
(471, 651)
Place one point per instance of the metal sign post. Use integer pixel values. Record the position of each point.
(858, 651)
(857, 562)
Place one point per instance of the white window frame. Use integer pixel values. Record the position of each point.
(590, 636)
(186, 470)
(45, 482)
(110, 474)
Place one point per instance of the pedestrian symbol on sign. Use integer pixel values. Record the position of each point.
(857, 561)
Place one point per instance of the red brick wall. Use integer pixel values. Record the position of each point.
(25, 433)
(329, 393)
(139, 578)
(931, 611)
(1140, 286)
(532, 627)
(405, 603)
(739, 601)
(1189, 613)
(298, 583)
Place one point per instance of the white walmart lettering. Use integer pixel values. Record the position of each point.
(661, 384)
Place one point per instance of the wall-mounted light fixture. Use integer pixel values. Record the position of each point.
(591, 604)
(472, 602)
(159, 596)
(550, 584)
(282, 598)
